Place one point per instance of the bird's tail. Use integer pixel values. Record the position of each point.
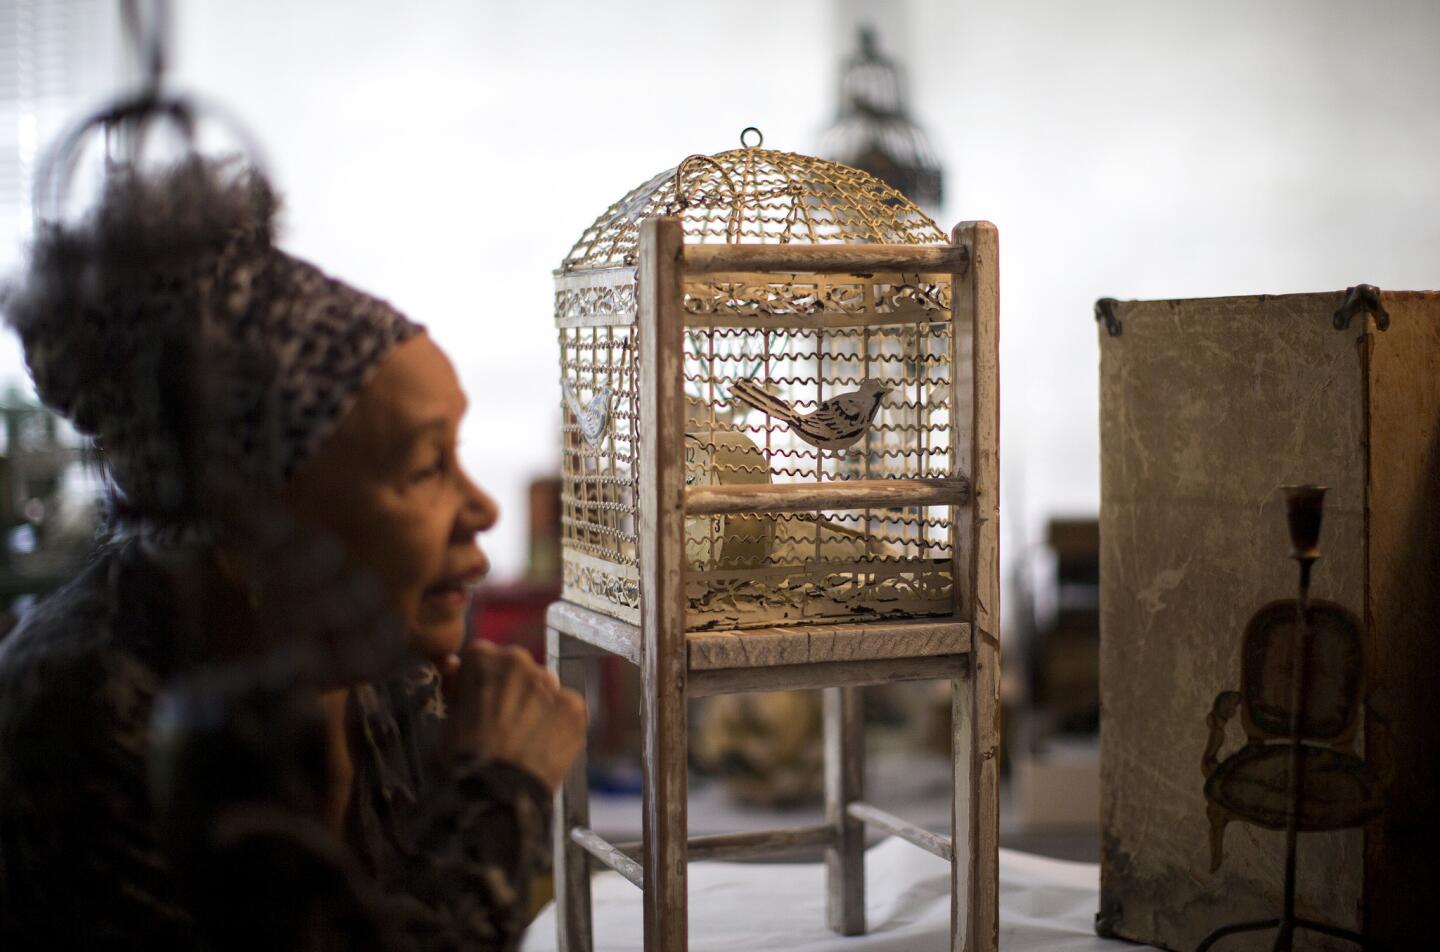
(751, 393)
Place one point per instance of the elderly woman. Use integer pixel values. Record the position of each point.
(250, 718)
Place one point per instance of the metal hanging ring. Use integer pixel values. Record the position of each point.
(134, 115)
(759, 137)
(131, 118)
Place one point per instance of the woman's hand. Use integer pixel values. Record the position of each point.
(503, 706)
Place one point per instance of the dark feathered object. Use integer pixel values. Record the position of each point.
(167, 326)
(111, 308)
(91, 287)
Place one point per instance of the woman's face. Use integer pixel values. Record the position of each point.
(388, 483)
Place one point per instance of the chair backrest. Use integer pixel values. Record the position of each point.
(1331, 703)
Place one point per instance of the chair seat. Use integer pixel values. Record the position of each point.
(1340, 791)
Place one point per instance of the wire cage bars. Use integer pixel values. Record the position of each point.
(798, 346)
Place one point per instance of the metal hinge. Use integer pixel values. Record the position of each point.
(1362, 297)
(1105, 311)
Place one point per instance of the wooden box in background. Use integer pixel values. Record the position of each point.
(1207, 408)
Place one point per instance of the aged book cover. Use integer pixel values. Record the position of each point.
(1208, 407)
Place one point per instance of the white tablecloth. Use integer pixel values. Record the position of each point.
(1046, 905)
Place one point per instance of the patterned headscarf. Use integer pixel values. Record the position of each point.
(167, 326)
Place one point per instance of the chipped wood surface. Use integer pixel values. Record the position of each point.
(825, 259)
(844, 739)
(932, 843)
(595, 630)
(1403, 606)
(663, 715)
(839, 494)
(572, 809)
(1207, 408)
(604, 851)
(816, 321)
(975, 702)
(592, 632)
(826, 674)
(755, 843)
(811, 644)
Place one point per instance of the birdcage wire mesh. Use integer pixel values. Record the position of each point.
(805, 339)
(759, 195)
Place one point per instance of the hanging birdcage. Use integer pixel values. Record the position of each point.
(873, 129)
(761, 352)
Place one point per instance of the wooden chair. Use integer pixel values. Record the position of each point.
(677, 664)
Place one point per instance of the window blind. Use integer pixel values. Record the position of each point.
(56, 59)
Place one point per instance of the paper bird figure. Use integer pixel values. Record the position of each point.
(837, 423)
(592, 416)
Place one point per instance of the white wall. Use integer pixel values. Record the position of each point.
(57, 59)
(446, 154)
(1143, 149)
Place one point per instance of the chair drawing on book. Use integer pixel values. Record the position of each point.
(780, 471)
(1301, 677)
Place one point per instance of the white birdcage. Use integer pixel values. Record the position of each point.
(780, 471)
(803, 339)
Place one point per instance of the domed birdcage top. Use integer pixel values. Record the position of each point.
(753, 194)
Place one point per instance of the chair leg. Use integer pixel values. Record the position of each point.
(974, 873)
(572, 808)
(962, 833)
(844, 784)
(665, 760)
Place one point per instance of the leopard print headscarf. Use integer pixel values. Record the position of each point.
(167, 326)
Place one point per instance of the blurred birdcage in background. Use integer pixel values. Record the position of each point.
(791, 343)
(873, 129)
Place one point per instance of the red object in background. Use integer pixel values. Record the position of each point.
(513, 613)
